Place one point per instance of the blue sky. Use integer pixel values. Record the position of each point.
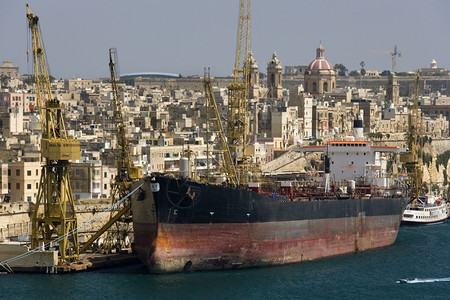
(179, 36)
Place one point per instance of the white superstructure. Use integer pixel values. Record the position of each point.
(354, 158)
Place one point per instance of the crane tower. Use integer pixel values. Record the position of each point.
(238, 90)
(126, 171)
(411, 159)
(118, 227)
(394, 55)
(54, 214)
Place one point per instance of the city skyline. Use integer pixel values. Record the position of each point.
(184, 37)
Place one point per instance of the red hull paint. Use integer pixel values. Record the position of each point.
(169, 248)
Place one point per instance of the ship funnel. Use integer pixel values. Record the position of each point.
(358, 130)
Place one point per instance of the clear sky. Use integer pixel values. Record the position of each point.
(184, 36)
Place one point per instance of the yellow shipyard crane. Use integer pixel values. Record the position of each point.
(54, 215)
(119, 224)
(222, 152)
(412, 159)
(126, 171)
(238, 90)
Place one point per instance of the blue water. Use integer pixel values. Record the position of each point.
(420, 254)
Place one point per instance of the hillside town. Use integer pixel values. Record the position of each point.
(165, 119)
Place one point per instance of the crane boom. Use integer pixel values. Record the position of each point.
(394, 55)
(214, 126)
(55, 210)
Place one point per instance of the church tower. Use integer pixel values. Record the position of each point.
(274, 68)
(392, 90)
(254, 78)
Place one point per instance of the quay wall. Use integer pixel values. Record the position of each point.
(15, 218)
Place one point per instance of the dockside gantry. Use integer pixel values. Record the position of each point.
(54, 216)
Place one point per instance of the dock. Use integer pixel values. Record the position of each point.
(18, 259)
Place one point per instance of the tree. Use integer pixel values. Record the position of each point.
(3, 80)
(342, 70)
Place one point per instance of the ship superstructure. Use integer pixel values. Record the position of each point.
(355, 162)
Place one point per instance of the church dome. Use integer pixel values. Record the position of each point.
(320, 63)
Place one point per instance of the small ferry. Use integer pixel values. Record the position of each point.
(425, 210)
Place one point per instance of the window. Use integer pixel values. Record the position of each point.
(37, 172)
(29, 186)
(28, 172)
(17, 172)
(29, 198)
(9, 172)
(105, 175)
(18, 186)
(105, 186)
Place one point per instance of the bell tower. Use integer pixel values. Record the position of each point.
(254, 77)
(274, 68)
(392, 90)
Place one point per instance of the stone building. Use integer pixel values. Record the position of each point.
(23, 180)
(9, 70)
(4, 193)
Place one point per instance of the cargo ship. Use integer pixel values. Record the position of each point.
(182, 225)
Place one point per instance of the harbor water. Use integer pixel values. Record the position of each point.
(420, 255)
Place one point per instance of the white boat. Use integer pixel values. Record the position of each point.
(425, 210)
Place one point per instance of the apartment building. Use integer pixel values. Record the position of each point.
(23, 180)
